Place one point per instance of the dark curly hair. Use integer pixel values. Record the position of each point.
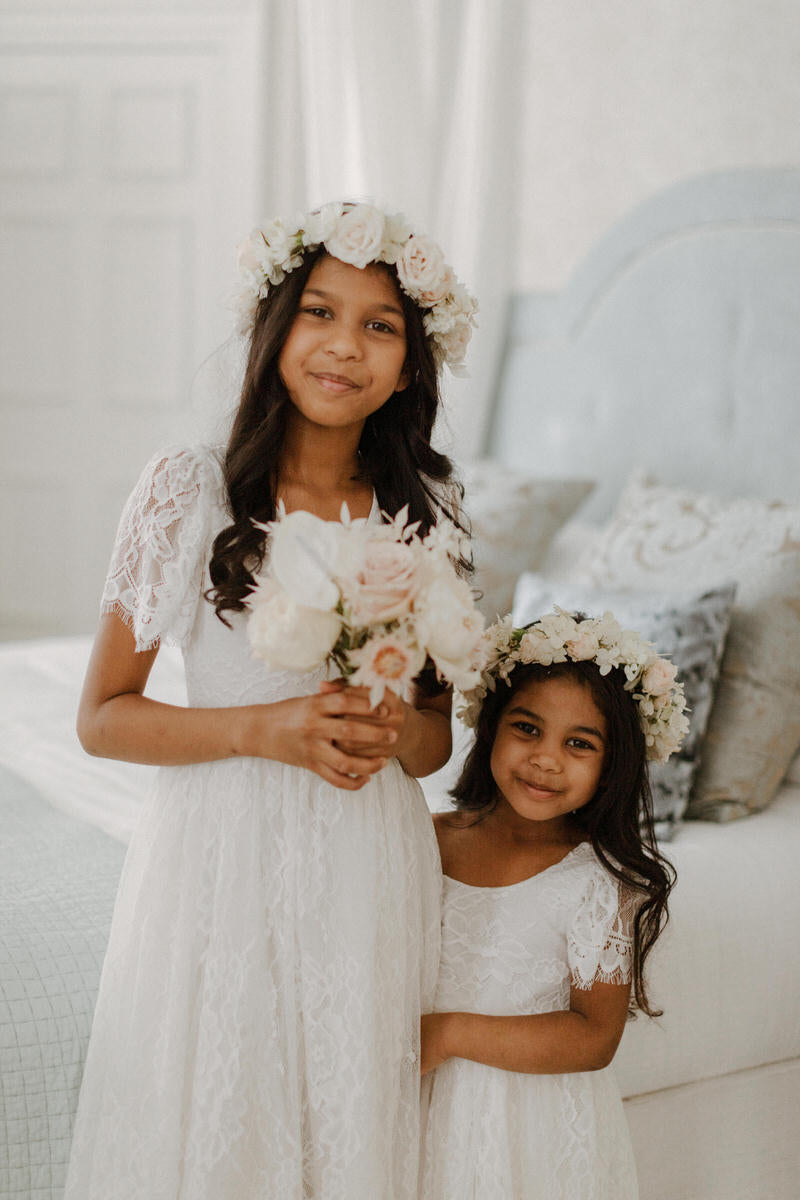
(618, 820)
(395, 452)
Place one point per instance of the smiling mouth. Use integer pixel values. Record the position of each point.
(539, 789)
(334, 383)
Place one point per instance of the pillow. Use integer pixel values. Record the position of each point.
(666, 538)
(688, 628)
(514, 518)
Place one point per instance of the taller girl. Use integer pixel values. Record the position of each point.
(275, 937)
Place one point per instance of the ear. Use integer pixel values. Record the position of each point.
(404, 379)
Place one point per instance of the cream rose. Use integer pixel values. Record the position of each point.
(289, 637)
(451, 629)
(358, 236)
(384, 582)
(422, 270)
(304, 557)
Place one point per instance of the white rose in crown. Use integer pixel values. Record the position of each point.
(289, 636)
(305, 554)
(358, 236)
(422, 270)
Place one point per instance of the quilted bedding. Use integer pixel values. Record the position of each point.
(58, 880)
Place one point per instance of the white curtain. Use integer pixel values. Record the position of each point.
(412, 103)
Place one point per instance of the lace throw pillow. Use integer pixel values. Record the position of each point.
(514, 519)
(689, 628)
(662, 538)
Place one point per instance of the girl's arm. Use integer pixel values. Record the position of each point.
(584, 1038)
(116, 720)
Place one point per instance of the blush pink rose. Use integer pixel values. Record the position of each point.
(385, 582)
(659, 677)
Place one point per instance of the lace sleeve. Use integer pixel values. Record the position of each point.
(600, 942)
(157, 567)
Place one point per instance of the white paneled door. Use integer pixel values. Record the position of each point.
(128, 171)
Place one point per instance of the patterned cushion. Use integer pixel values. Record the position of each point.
(663, 538)
(688, 628)
(514, 518)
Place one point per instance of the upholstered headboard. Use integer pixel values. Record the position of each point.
(675, 347)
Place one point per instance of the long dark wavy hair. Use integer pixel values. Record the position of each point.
(395, 452)
(618, 820)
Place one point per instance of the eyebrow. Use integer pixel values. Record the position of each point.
(392, 308)
(590, 729)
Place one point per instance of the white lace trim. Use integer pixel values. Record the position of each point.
(600, 943)
(156, 572)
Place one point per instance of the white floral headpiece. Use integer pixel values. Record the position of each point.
(558, 637)
(359, 234)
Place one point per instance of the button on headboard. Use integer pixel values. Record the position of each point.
(675, 347)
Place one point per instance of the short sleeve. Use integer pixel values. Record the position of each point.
(157, 567)
(600, 942)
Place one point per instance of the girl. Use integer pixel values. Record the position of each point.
(276, 932)
(554, 895)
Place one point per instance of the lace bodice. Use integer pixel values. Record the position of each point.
(518, 949)
(159, 571)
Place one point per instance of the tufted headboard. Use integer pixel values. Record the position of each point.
(675, 347)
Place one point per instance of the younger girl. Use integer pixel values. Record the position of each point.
(276, 933)
(554, 895)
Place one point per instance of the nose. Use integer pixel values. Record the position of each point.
(343, 341)
(545, 756)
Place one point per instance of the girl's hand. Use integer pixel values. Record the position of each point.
(320, 733)
(432, 1042)
(389, 721)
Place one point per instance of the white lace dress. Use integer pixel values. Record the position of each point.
(502, 1135)
(274, 940)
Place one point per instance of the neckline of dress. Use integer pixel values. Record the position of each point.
(505, 887)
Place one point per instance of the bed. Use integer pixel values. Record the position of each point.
(674, 350)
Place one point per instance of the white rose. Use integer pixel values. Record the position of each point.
(422, 271)
(288, 636)
(358, 236)
(396, 233)
(318, 226)
(450, 628)
(304, 555)
(583, 646)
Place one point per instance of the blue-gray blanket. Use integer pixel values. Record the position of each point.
(58, 880)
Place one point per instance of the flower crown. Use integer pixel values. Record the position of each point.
(558, 637)
(359, 234)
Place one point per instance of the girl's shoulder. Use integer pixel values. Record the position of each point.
(176, 470)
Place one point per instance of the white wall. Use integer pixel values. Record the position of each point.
(624, 97)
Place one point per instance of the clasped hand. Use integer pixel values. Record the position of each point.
(336, 733)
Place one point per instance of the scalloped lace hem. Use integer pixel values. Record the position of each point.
(127, 618)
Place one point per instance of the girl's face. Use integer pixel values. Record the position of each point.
(345, 353)
(549, 748)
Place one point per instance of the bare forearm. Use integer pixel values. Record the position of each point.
(539, 1044)
(137, 729)
(426, 742)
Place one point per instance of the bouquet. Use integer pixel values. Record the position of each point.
(378, 601)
